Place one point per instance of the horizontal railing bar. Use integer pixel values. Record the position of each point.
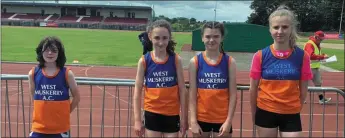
(25, 77)
(131, 82)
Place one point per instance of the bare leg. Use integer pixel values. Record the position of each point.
(290, 134)
(226, 135)
(203, 135)
(267, 132)
(150, 133)
(171, 135)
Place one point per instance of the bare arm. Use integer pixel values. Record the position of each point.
(306, 76)
(255, 75)
(192, 91)
(138, 90)
(74, 90)
(182, 89)
(253, 89)
(304, 90)
(232, 91)
(31, 83)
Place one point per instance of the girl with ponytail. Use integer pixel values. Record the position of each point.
(212, 76)
(279, 77)
(161, 73)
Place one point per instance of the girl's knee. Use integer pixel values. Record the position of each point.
(225, 135)
(151, 133)
(171, 135)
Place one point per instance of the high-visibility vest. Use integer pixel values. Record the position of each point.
(317, 51)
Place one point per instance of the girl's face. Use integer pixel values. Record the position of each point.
(280, 29)
(50, 54)
(212, 38)
(160, 37)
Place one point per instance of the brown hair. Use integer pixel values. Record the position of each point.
(163, 23)
(215, 25)
(50, 42)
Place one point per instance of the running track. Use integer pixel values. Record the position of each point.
(331, 79)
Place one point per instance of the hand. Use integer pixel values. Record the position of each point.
(138, 129)
(183, 127)
(224, 129)
(325, 55)
(196, 130)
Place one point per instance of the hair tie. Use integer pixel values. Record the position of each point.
(283, 7)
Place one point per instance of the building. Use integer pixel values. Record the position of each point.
(60, 14)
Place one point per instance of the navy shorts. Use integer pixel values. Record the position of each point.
(285, 122)
(161, 123)
(40, 135)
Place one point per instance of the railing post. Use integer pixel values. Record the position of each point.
(105, 82)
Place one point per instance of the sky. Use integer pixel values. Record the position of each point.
(232, 11)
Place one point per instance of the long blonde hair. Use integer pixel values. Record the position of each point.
(285, 11)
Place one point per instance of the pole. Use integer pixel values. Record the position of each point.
(341, 17)
(215, 13)
(153, 13)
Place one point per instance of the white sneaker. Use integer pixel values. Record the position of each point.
(325, 100)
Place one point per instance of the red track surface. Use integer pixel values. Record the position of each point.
(115, 100)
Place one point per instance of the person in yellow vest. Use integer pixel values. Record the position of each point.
(313, 48)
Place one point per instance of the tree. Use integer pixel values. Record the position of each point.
(192, 20)
(312, 15)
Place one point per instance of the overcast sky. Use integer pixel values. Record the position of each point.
(233, 11)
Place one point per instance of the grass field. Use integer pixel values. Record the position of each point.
(332, 41)
(339, 65)
(98, 47)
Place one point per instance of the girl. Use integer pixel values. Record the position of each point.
(212, 89)
(161, 72)
(49, 84)
(283, 70)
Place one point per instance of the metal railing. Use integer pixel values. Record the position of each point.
(105, 110)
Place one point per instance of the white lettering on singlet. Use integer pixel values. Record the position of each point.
(48, 92)
(160, 78)
(212, 80)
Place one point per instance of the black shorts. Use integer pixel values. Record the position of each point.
(208, 127)
(161, 123)
(285, 122)
(41, 135)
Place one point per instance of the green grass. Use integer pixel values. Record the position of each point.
(339, 65)
(333, 41)
(98, 47)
